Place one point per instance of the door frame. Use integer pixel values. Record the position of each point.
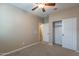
(53, 23)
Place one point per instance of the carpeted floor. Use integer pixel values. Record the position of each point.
(45, 50)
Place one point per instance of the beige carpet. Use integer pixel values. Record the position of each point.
(45, 50)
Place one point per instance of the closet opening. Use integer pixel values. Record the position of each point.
(57, 33)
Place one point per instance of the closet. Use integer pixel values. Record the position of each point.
(65, 33)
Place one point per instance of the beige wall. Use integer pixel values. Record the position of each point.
(17, 28)
(67, 13)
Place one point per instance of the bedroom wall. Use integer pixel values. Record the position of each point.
(17, 28)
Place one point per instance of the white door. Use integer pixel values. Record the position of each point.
(69, 28)
(45, 32)
(58, 32)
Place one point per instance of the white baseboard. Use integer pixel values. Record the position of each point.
(50, 43)
(19, 49)
(46, 43)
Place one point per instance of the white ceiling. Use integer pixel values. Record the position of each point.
(28, 7)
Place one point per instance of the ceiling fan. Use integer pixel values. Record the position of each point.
(42, 6)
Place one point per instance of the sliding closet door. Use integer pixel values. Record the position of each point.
(69, 28)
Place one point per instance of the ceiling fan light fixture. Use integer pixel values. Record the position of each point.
(41, 5)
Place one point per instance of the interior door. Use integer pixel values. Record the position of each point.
(69, 29)
(45, 31)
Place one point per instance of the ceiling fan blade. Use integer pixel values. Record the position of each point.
(43, 9)
(35, 8)
(50, 4)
